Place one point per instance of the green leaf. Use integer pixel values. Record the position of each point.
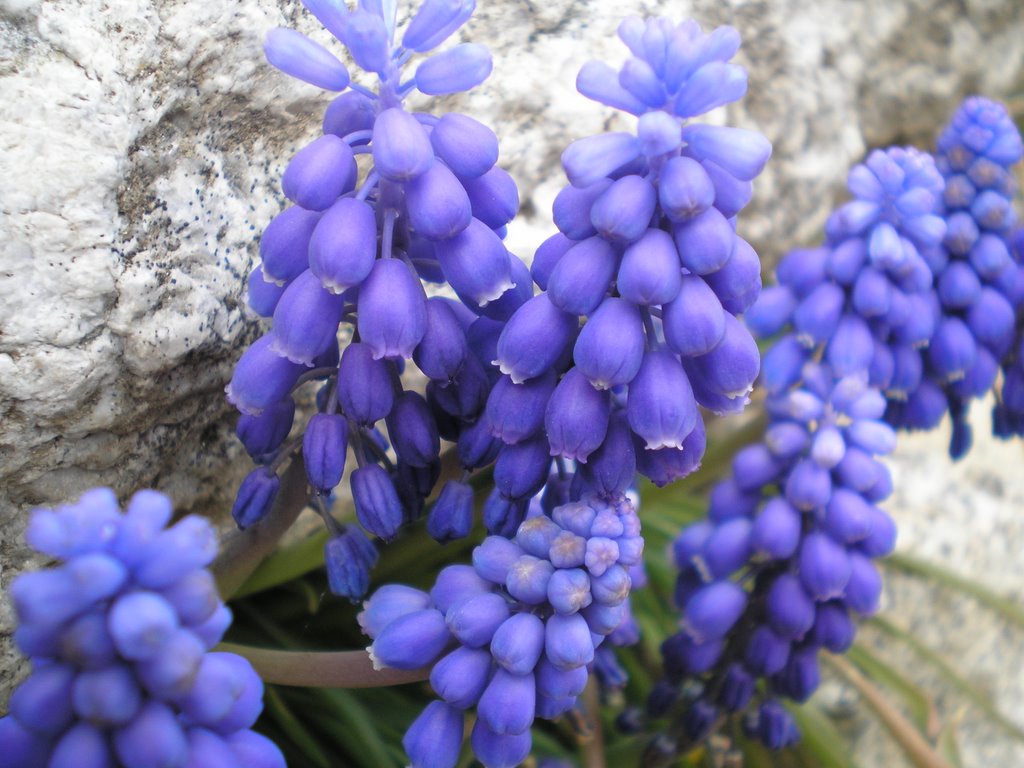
(357, 729)
(821, 741)
(949, 748)
(293, 727)
(978, 697)
(1008, 609)
(921, 707)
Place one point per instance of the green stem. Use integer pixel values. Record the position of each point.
(322, 669)
(241, 552)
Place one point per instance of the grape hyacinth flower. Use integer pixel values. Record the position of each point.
(120, 634)
(976, 278)
(385, 199)
(1008, 414)
(647, 251)
(515, 633)
(783, 561)
(864, 296)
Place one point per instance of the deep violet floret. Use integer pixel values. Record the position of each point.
(977, 279)
(120, 633)
(515, 634)
(782, 563)
(648, 253)
(385, 199)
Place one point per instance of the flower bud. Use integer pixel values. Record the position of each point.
(521, 469)
(437, 203)
(515, 412)
(817, 316)
(457, 69)
(833, 628)
(474, 620)
(572, 206)
(589, 159)
(694, 321)
(261, 378)
(320, 173)
(726, 550)
(467, 146)
(365, 391)
(324, 446)
(610, 347)
(705, 242)
(527, 579)
(350, 112)
(623, 211)
(776, 530)
(740, 152)
(476, 264)
(255, 497)
(518, 643)
(789, 608)
(498, 750)
(401, 146)
(434, 22)
(611, 469)
(713, 610)
(305, 320)
(766, 652)
(864, 589)
(684, 189)
(824, 567)
(378, 507)
(494, 197)
(410, 641)
(723, 377)
(576, 417)
(519, 355)
(392, 310)
(461, 676)
(295, 54)
(567, 641)
(581, 278)
(738, 283)
(494, 557)
(284, 244)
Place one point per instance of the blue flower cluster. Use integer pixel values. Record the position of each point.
(429, 204)
(1008, 413)
(514, 633)
(119, 634)
(978, 284)
(783, 559)
(864, 296)
(648, 253)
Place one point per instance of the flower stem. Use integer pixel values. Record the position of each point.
(322, 669)
(593, 748)
(242, 551)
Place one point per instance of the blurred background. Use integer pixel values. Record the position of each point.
(143, 142)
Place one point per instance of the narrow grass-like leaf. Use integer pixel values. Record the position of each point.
(978, 697)
(914, 745)
(1005, 607)
(820, 739)
(921, 706)
(293, 727)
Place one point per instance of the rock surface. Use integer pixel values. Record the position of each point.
(143, 141)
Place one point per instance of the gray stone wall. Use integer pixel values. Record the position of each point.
(142, 143)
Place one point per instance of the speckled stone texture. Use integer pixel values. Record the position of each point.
(143, 141)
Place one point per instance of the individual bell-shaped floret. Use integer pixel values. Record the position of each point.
(610, 347)
(457, 69)
(581, 278)
(589, 159)
(571, 209)
(262, 435)
(623, 211)
(284, 245)
(295, 54)
(610, 470)
(365, 389)
(255, 496)
(521, 469)
(740, 152)
(401, 146)
(469, 148)
(320, 173)
(437, 203)
(378, 507)
(499, 750)
(684, 189)
(713, 610)
(660, 406)
(435, 21)
(576, 417)
(435, 737)
(693, 322)
(824, 567)
(650, 270)
(452, 514)
(306, 320)
(723, 377)
(261, 295)
(324, 446)
(261, 378)
(515, 412)
(348, 559)
(952, 350)
(348, 113)
(366, 37)
(392, 310)
(412, 430)
(411, 641)
(475, 263)
(442, 350)
(536, 336)
(705, 242)
(494, 197)
(738, 283)
(790, 610)
(343, 246)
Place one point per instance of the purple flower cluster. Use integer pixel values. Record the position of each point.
(648, 253)
(513, 634)
(431, 205)
(119, 634)
(1008, 414)
(978, 284)
(864, 296)
(783, 559)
